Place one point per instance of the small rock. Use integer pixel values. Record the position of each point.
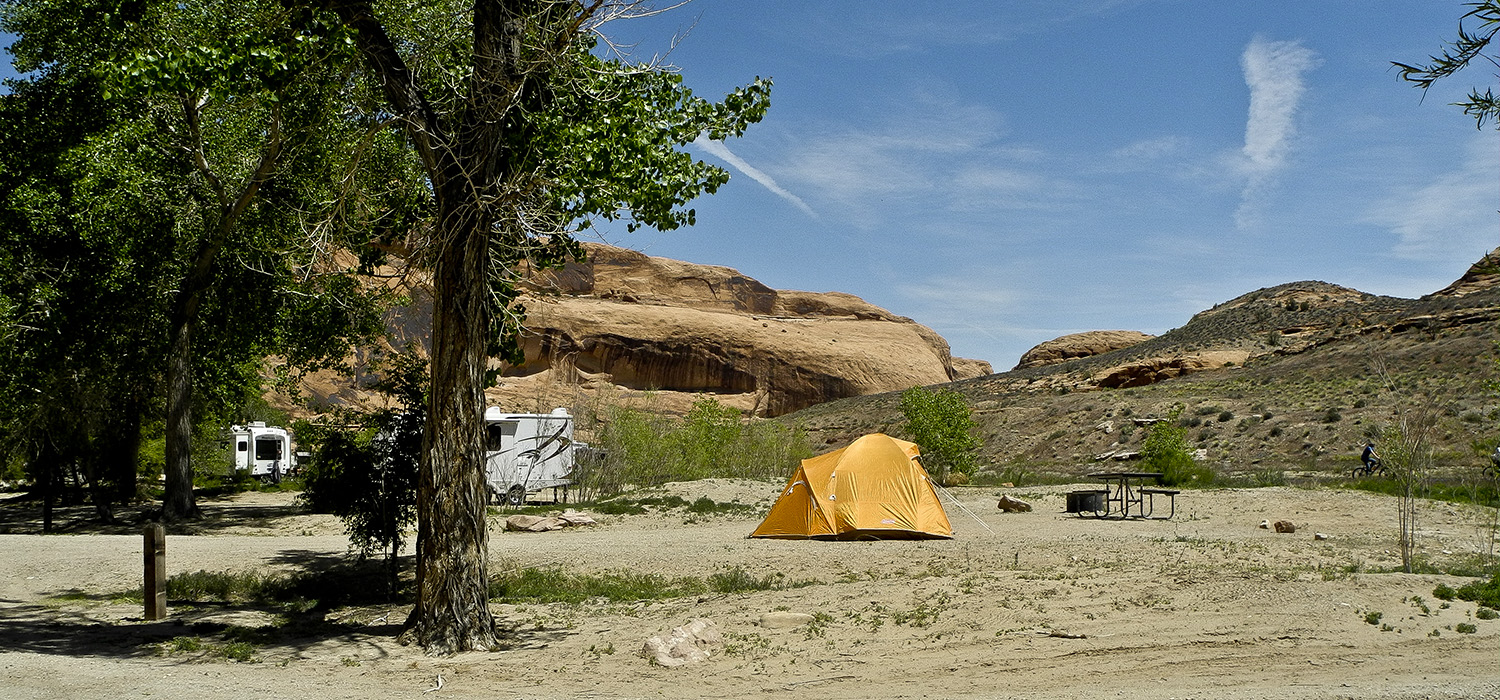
(1319, 536)
(781, 620)
(1284, 526)
(1265, 524)
(1014, 505)
(688, 644)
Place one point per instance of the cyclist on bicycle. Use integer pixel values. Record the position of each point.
(1369, 457)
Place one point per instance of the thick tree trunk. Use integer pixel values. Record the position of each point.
(179, 502)
(452, 608)
(123, 462)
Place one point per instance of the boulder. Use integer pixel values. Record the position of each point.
(1284, 527)
(1014, 505)
(573, 518)
(534, 523)
(531, 523)
(691, 643)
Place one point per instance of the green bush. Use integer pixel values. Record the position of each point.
(941, 423)
(1165, 450)
(1486, 593)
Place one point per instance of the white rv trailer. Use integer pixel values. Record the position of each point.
(526, 452)
(262, 451)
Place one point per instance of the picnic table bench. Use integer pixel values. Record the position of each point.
(1125, 495)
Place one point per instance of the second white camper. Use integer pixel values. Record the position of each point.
(526, 452)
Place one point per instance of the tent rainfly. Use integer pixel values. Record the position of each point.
(872, 489)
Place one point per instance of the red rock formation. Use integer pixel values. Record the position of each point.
(1076, 345)
(640, 322)
(625, 322)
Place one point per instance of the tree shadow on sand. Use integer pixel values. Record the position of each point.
(22, 515)
(333, 606)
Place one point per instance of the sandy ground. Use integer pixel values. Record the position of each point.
(1034, 605)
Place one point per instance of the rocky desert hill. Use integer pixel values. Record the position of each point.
(1289, 378)
(622, 325)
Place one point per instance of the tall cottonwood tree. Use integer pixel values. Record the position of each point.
(525, 134)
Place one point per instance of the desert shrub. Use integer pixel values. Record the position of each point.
(1331, 415)
(737, 580)
(1486, 593)
(942, 424)
(1165, 450)
(1269, 477)
(224, 586)
(1226, 416)
(554, 585)
(641, 448)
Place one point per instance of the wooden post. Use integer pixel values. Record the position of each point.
(156, 571)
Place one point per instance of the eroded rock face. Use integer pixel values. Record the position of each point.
(1155, 369)
(666, 332)
(1076, 345)
(647, 323)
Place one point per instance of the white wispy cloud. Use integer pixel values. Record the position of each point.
(1455, 211)
(1273, 71)
(722, 152)
(932, 154)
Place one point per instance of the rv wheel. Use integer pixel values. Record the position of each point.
(516, 496)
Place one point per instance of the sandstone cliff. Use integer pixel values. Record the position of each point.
(632, 326)
(644, 323)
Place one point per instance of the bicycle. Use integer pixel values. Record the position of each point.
(1371, 468)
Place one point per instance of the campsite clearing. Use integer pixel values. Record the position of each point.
(1038, 605)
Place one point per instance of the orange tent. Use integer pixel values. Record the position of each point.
(873, 489)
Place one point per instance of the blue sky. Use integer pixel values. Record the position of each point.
(1008, 172)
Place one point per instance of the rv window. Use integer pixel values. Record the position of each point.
(500, 436)
(268, 448)
(244, 446)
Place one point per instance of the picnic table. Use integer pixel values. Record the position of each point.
(1125, 495)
